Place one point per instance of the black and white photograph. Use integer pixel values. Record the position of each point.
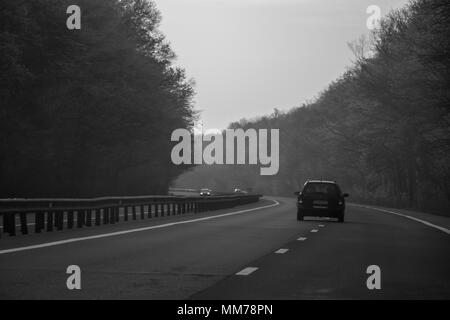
(224, 156)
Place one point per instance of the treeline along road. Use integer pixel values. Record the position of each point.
(382, 129)
(88, 112)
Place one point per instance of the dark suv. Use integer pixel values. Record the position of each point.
(321, 199)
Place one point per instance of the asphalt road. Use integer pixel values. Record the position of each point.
(200, 259)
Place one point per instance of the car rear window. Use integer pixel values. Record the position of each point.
(323, 188)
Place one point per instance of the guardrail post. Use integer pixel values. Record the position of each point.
(125, 213)
(70, 219)
(9, 223)
(141, 212)
(133, 211)
(59, 219)
(97, 217)
(49, 221)
(23, 223)
(156, 209)
(112, 218)
(116, 213)
(89, 217)
(80, 218)
(39, 221)
(5, 222)
(149, 211)
(12, 224)
(105, 216)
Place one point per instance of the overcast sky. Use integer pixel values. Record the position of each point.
(251, 56)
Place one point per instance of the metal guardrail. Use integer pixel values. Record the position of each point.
(51, 214)
(183, 190)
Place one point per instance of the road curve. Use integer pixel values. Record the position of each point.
(200, 259)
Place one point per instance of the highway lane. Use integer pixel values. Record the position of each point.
(331, 263)
(199, 260)
(173, 262)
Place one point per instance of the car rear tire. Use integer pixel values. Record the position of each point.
(299, 215)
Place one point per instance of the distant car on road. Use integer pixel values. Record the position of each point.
(321, 199)
(205, 192)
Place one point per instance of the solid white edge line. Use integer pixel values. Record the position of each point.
(447, 231)
(117, 233)
(247, 271)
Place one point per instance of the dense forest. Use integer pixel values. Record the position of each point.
(87, 112)
(381, 130)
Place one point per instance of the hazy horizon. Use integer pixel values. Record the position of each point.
(235, 50)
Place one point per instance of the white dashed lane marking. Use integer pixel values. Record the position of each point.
(246, 271)
(321, 225)
(301, 239)
(282, 251)
(314, 230)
